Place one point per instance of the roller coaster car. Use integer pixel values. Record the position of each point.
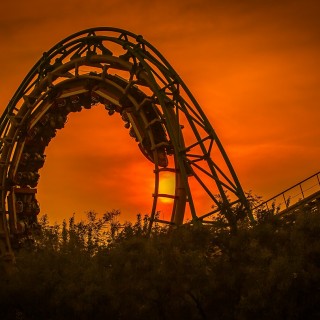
(57, 121)
(161, 146)
(54, 120)
(139, 132)
(67, 105)
(27, 206)
(145, 122)
(74, 101)
(86, 101)
(26, 178)
(70, 100)
(39, 137)
(31, 161)
(111, 108)
(75, 104)
(23, 210)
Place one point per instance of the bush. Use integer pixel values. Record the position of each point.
(100, 269)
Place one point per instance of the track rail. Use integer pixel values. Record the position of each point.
(302, 193)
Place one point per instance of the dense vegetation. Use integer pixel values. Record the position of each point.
(99, 269)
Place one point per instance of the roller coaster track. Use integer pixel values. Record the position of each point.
(303, 195)
(126, 74)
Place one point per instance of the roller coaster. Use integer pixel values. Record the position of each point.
(301, 196)
(130, 78)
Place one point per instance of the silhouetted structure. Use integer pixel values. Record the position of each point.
(130, 77)
(305, 195)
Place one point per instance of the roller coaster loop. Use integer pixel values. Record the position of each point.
(126, 74)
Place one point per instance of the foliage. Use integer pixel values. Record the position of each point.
(101, 269)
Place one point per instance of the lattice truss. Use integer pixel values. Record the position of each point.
(130, 77)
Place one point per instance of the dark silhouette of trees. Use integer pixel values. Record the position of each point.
(100, 269)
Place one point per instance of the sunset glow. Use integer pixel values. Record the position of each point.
(167, 186)
(253, 67)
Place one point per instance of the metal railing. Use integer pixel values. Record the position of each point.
(292, 195)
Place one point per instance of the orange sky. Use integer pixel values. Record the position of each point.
(252, 65)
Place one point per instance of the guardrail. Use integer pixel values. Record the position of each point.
(292, 196)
